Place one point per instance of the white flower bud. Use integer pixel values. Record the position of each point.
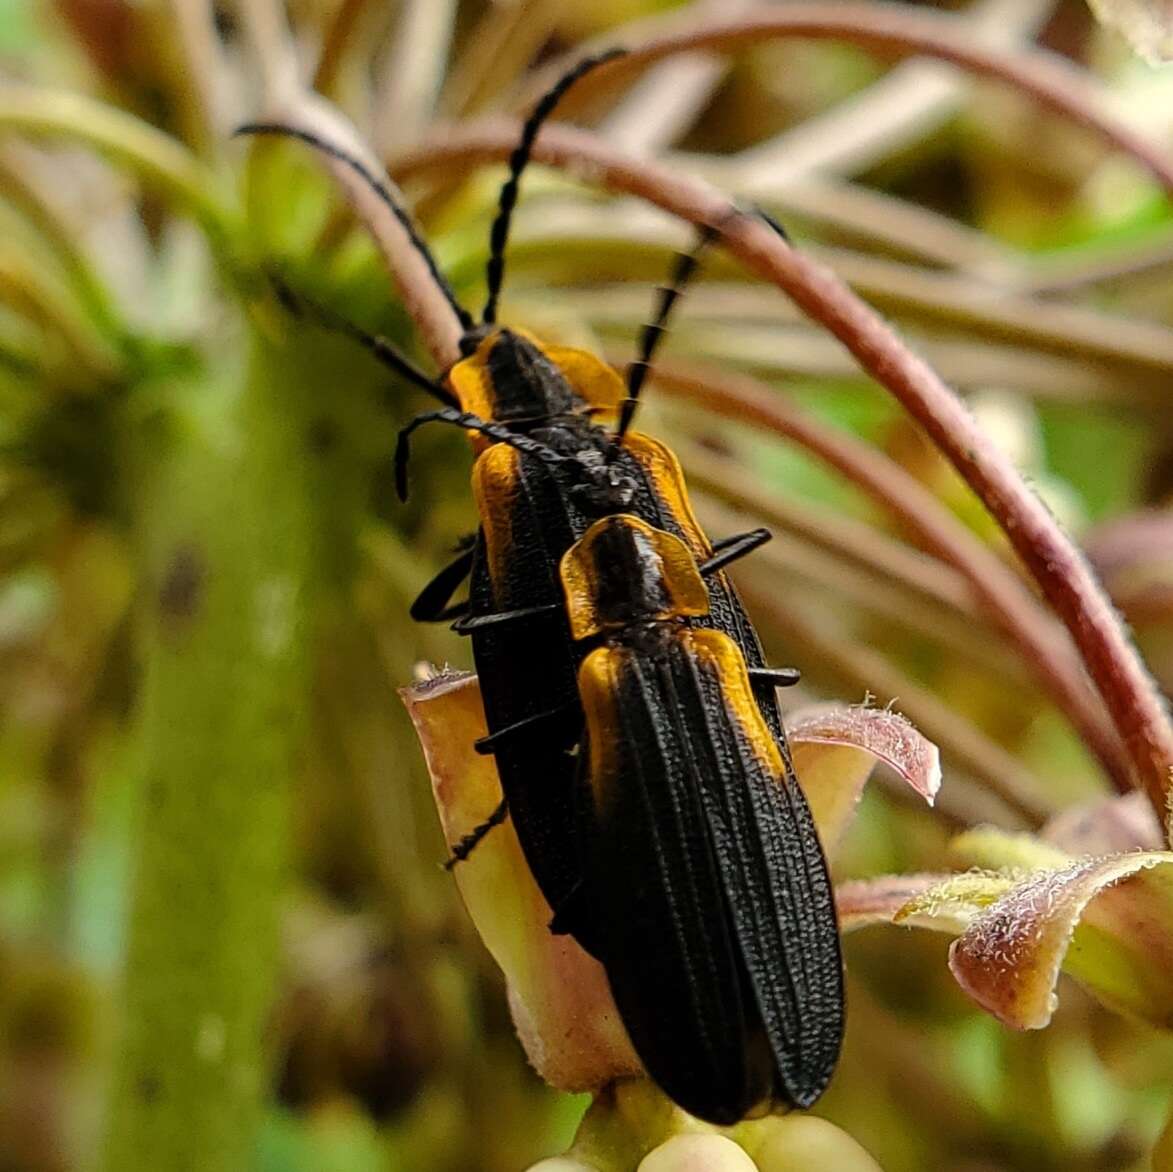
(804, 1143)
(697, 1153)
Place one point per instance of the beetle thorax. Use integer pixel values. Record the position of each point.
(605, 486)
(526, 386)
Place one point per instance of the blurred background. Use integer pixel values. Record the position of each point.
(213, 810)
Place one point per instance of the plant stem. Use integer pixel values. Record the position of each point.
(964, 744)
(25, 195)
(1011, 607)
(225, 540)
(31, 291)
(893, 29)
(158, 157)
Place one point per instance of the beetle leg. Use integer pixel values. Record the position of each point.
(733, 548)
(463, 626)
(469, 842)
(780, 677)
(488, 745)
(432, 604)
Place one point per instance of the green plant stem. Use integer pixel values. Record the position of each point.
(226, 553)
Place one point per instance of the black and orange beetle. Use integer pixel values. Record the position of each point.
(555, 460)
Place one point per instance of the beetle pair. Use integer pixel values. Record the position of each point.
(630, 712)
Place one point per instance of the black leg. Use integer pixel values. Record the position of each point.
(432, 604)
(478, 622)
(469, 842)
(780, 677)
(725, 542)
(733, 548)
(550, 718)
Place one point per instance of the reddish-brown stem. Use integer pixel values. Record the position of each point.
(437, 323)
(1052, 559)
(1011, 607)
(896, 30)
(289, 104)
(999, 772)
(345, 20)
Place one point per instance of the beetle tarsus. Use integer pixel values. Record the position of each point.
(469, 842)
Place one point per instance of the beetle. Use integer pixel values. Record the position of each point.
(704, 891)
(547, 465)
(559, 469)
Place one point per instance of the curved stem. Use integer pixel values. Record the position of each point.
(50, 226)
(1049, 555)
(150, 152)
(409, 76)
(288, 103)
(344, 22)
(266, 33)
(893, 29)
(1009, 605)
(1001, 773)
(204, 87)
(899, 109)
(39, 299)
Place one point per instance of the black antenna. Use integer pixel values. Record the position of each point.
(381, 190)
(653, 333)
(762, 214)
(518, 162)
(383, 351)
(495, 431)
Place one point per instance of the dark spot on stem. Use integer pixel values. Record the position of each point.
(149, 1087)
(322, 437)
(182, 589)
(225, 20)
(155, 792)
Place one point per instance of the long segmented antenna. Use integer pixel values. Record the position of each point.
(382, 350)
(764, 215)
(518, 162)
(465, 419)
(380, 188)
(653, 333)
